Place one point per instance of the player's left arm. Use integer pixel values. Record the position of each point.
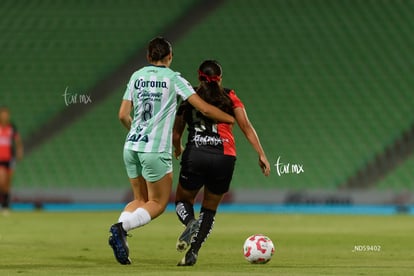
(19, 147)
(124, 114)
(251, 135)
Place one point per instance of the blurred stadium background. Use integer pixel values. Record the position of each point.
(327, 84)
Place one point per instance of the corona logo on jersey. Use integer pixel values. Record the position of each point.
(140, 83)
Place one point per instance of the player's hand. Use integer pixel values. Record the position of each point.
(178, 151)
(264, 165)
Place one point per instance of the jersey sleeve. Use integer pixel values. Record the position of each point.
(183, 87)
(128, 92)
(236, 101)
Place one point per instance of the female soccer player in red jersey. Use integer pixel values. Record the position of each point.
(209, 157)
(11, 146)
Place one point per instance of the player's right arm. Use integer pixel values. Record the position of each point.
(179, 126)
(127, 104)
(209, 110)
(124, 114)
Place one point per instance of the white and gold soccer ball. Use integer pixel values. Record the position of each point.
(258, 249)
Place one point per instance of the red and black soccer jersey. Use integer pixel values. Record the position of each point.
(206, 134)
(8, 134)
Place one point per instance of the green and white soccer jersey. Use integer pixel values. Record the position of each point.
(153, 91)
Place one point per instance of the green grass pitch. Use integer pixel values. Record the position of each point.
(53, 243)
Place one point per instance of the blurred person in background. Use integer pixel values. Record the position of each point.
(11, 147)
(209, 158)
(151, 96)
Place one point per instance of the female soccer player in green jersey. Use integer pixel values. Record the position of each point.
(151, 95)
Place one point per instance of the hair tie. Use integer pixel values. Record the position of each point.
(208, 78)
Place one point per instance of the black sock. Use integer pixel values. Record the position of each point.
(206, 226)
(184, 211)
(6, 200)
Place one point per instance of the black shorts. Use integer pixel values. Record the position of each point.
(200, 168)
(5, 164)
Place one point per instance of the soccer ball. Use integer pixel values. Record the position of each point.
(258, 249)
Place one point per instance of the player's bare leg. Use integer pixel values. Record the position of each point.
(150, 201)
(139, 189)
(158, 195)
(5, 179)
(118, 239)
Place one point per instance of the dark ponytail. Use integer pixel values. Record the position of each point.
(158, 49)
(210, 89)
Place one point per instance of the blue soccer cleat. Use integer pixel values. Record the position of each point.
(119, 243)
